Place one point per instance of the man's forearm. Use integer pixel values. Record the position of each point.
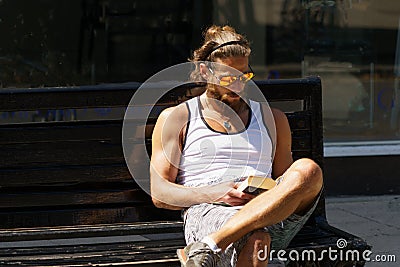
(178, 196)
(163, 205)
(173, 196)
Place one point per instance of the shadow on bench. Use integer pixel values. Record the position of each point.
(67, 197)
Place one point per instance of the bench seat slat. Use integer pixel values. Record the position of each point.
(143, 251)
(91, 230)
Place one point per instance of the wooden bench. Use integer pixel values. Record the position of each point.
(67, 197)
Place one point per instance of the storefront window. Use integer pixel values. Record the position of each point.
(354, 45)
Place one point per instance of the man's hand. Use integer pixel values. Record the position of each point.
(229, 195)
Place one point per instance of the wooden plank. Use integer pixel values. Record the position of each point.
(58, 153)
(57, 199)
(301, 154)
(54, 98)
(301, 142)
(274, 90)
(88, 216)
(120, 94)
(62, 131)
(79, 241)
(91, 230)
(64, 176)
(300, 120)
(110, 131)
(83, 97)
(100, 255)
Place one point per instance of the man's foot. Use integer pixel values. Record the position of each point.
(198, 254)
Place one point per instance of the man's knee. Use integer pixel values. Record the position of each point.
(309, 174)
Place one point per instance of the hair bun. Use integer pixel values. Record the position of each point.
(212, 32)
(215, 31)
(228, 29)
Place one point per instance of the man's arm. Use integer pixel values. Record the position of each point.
(283, 153)
(283, 140)
(165, 159)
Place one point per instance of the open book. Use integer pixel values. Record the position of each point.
(255, 185)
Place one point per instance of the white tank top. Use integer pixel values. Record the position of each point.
(210, 157)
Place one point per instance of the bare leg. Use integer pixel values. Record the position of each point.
(295, 194)
(256, 250)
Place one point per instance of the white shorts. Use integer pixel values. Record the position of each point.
(203, 219)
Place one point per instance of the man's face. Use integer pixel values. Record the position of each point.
(220, 72)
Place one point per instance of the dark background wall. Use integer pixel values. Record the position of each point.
(67, 42)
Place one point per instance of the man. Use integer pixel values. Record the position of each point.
(202, 147)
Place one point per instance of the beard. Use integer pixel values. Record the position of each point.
(226, 98)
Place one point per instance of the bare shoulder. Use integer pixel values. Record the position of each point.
(281, 122)
(283, 157)
(278, 115)
(176, 111)
(177, 115)
(171, 122)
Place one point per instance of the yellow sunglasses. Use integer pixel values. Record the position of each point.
(226, 80)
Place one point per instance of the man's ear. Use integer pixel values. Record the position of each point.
(204, 71)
